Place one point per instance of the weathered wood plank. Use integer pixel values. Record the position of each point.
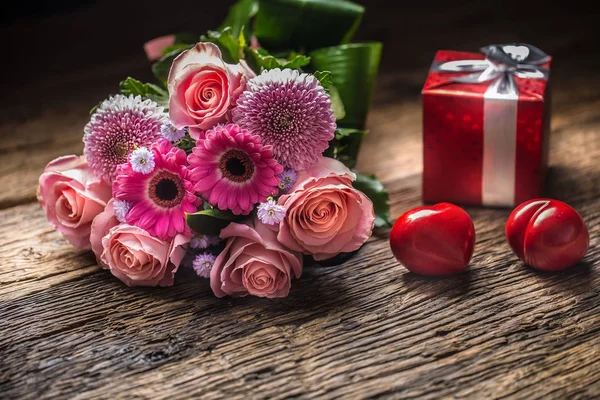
(367, 322)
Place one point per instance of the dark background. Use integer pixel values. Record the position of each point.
(54, 49)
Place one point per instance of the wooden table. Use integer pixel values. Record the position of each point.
(366, 328)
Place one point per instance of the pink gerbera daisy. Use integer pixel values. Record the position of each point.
(158, 198)
(233, 170)
(289, 111)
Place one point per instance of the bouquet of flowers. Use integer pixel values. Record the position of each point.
(237, 162)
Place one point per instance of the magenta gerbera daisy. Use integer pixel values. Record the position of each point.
(158, 199)
(119, 125)
(289, 111)
(233, 170)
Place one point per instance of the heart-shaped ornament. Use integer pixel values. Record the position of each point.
(517, 53)
(547, 234)
(434, 240)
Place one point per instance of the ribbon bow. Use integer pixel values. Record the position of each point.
(502, 63)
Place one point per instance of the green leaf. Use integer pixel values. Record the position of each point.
(325, 78)
(336, 103)
(95, 108)
(374, 190)
(162, 67)
(353, 70)
(239, 17)
(261, 59)
(345, 145)
(210, 221)
(186, 143)
(229, 44)
(180, 47)
(306, 24)
(146, 90)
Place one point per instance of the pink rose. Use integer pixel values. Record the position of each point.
(253, 262)
(139, 259)
(325, 215)
(101, 225)
(203, 88)
(72, 197)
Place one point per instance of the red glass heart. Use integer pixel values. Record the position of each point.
(435, 240)
(547, 234)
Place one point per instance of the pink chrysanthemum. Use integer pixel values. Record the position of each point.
(233, 170)
(159, 199)
(119, 125)
(289, 111)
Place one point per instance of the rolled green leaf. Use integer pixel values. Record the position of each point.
(239, 17)
(353, 70)
(306, 24)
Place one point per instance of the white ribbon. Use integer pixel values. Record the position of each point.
(501, 65)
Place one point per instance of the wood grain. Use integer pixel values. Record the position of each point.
(364, 329)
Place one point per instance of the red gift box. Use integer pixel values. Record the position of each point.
(486, 122)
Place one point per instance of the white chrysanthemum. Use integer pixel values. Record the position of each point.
(142, 160)
(203, 263)
(204, 241)
(172, 133)
(121, 208)
(119, 125)
(270, 212)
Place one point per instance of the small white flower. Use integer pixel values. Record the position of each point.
(142, 160)
(204, 241)
(172, 133)
(270, 212)
(121, 208)
(203, 263)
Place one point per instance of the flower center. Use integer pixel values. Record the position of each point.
(283, 121)
(166, 189)
(121, 151)
(236, 166)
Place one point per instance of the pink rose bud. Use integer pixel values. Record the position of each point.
(325, 215)
(139, 259)
(72, 197)
(154, 48)
(203, 88)
(253, 262)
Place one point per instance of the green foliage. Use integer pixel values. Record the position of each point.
(162, 67)
(306, 25)
(374, 190)
(210, 221)
(186, 143)
(260, 59)
(239, 18)
(229, 43)
(146, 90)
(353, 70)
(345, 145)
(336, 101)
(176, 47)
(325, 78)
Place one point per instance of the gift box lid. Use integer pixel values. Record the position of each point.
(455, 73)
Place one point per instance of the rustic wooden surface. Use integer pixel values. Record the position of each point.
(364, 329)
